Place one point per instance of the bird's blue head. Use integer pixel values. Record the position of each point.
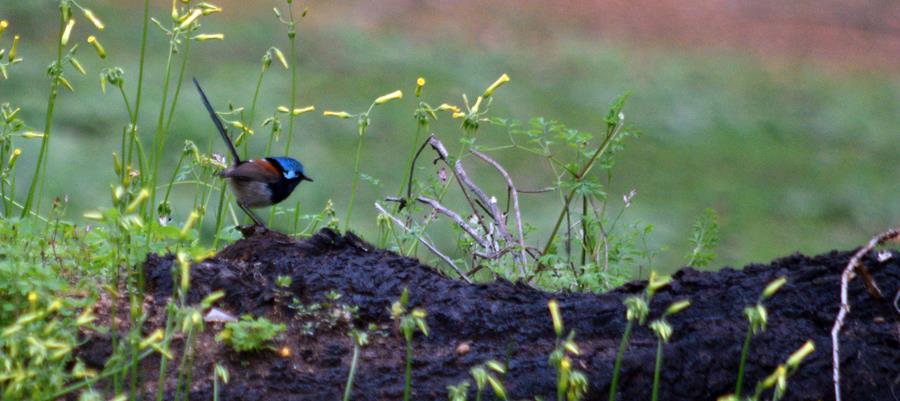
(290, 168)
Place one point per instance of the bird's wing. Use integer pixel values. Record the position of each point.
(254, 170)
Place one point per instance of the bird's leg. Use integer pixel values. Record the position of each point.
(252, 215)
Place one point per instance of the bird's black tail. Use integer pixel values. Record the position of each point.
(218, 123)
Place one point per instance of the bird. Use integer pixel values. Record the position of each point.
(256, 182)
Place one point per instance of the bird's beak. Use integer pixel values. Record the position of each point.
(306, 178)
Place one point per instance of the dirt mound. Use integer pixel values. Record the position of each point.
(510, 322)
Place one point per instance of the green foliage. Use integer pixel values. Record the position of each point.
(36, 348)
(757, 318)
(250, 334)
(704, 239)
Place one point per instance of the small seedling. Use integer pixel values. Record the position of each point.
(250, 334)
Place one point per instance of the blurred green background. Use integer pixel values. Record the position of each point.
(784, 121)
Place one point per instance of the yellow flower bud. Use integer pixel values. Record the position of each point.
(555, 316)
(12, 158)
(773, 287)
(209, 36)
(94, 20)
(495, 366)
(208, 9)
(32, 297)
(770, 381)
(448, 107)
(97, 46)
(337, 114)
(799, 355)
(142, 196)
(12, 50)
(677, 307)
(54, 306)
(64, 40)
(3, 25)
(77, 65)
(397, 94)
(498, 83)
(300, 111)
(65, 82)
(189, 224)
(195, 13)
(420, 83)
(154, 337)
(459, 114)
(283, 109)
(280, 56)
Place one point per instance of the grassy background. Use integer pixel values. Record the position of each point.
(795, 156)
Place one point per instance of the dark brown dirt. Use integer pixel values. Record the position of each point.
(510, 322)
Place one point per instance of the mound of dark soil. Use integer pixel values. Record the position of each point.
(510, 322)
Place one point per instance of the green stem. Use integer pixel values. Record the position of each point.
(159, 137)
(657, 370)
(250, 121)
(48, 123)
(745, 350)
(618, 364)
(407, 385)
(353, 186)
(292, 35)
(219, 214)
(163, 362)
(184, 61)
(352, 373)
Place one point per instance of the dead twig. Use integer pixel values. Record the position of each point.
(437, 206)
(514, 194)
(425, 242)
(848, 274)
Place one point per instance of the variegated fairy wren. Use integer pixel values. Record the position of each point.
(256, 182)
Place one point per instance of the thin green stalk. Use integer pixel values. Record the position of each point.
(252, 116)
(163, 362)
(48, 123)
(184, 60)
(352, 374)
(215, 383)
(657, 370)
(407, 385)
(223, 193)
(174, 176)
(296, 217)
(617, 367)
(159, 136)
(292, 36)
(355, 183)
(745, 350)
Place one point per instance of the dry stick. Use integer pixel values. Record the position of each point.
(425, 242)
(514, 194)
(439, 148)
(846, 276)
(437, 206)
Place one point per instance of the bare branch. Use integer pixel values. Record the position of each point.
(848, 274)
(427, 244)
(514, 193)
(437, 206)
